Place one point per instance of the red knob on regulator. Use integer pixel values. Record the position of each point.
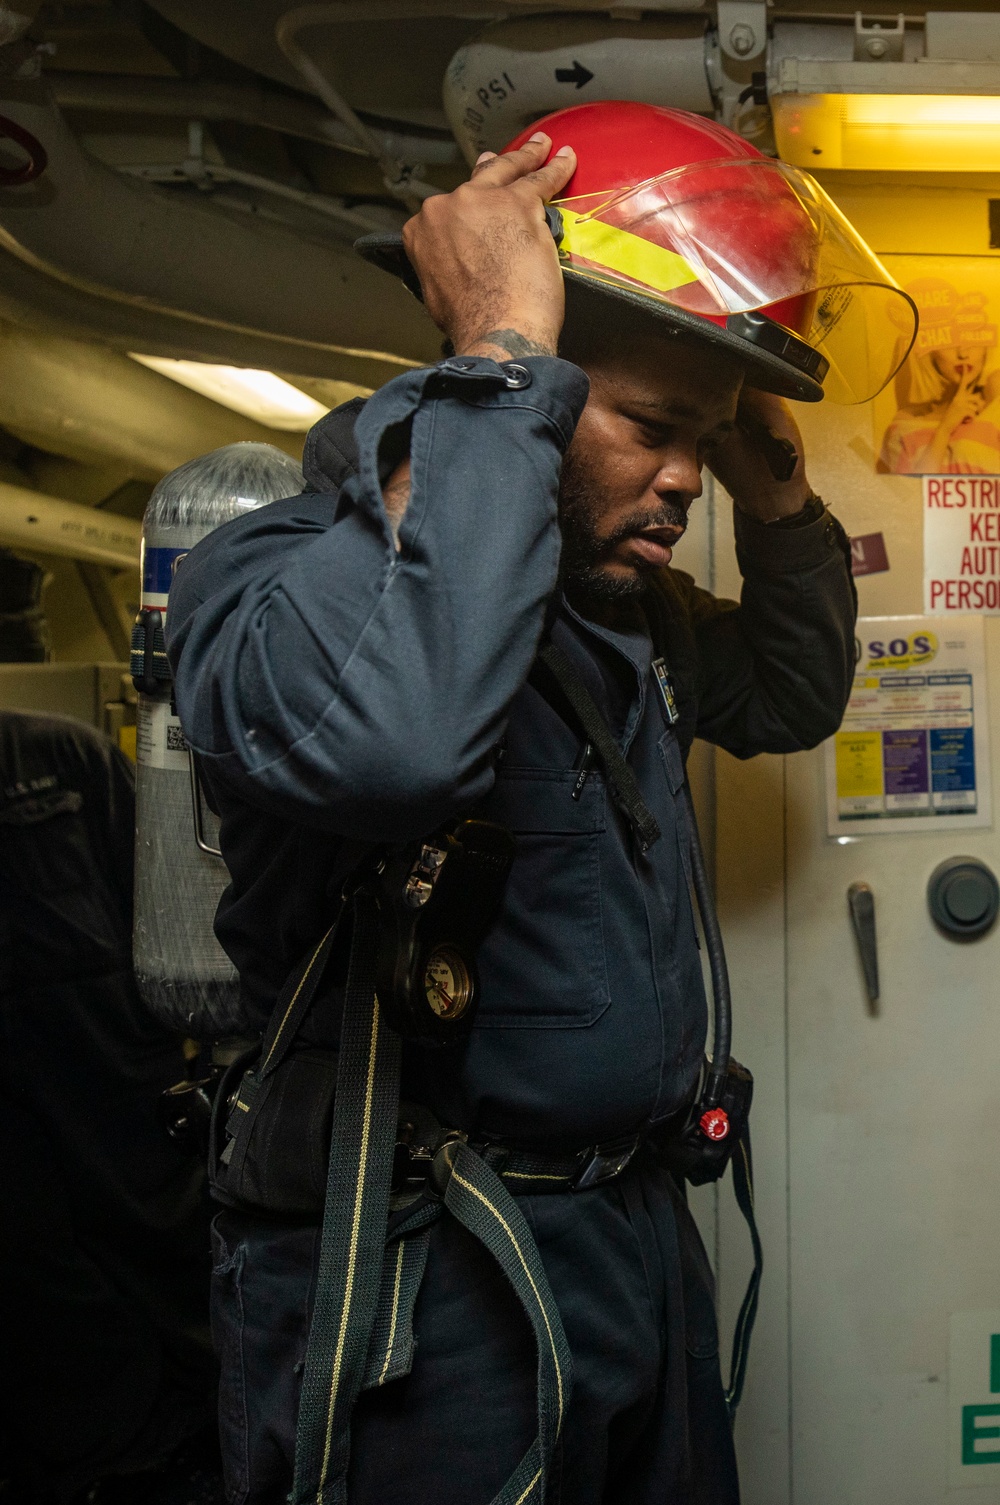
(714, 1123)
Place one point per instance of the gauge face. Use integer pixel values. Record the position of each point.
(447, 983)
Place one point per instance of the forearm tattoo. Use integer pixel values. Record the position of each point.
(515, 344)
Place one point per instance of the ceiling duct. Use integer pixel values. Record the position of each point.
(169, 273)
(93, 405)
(518, 70)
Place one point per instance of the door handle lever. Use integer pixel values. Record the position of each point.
(861, 905)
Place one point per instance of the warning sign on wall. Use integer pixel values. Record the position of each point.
(912, 752)
(962, 544)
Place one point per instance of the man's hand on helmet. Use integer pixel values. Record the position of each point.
(743, 469)
(486, 260)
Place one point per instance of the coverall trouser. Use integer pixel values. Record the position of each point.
(646, 1425)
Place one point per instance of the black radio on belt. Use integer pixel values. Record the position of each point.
(701, 1141)
(435, 908)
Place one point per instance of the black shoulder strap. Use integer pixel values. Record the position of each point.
(622, 781)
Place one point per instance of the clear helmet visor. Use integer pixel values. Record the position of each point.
(750, 235)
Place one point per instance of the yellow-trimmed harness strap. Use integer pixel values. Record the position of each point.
(475, 1195)
(355, 1219)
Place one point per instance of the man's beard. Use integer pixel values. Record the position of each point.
(586, 553)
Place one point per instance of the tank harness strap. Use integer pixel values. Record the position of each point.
(392, 1346)
(622, 781)
(355, 1336)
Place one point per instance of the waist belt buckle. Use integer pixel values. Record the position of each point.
(411, 1164)
(604, 1162)
(412, 1159)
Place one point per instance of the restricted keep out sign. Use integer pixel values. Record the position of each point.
(961, 544)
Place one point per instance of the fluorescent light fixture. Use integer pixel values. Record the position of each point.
(889, 132)
(259, 395)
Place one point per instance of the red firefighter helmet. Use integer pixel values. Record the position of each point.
(686, 221)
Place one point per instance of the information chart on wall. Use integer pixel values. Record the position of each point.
(912, 753)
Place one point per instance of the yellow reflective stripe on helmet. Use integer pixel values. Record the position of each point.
(620, 251)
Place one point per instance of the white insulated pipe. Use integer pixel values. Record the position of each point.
(45, 525)
(518, 70)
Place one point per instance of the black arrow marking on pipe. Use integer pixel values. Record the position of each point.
(578, 75)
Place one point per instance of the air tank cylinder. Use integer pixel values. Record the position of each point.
(184, 976)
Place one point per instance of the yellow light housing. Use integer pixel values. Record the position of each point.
(259, 395)
(889, 132)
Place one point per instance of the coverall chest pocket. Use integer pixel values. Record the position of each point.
(543, 964)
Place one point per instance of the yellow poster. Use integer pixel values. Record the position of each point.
(941, 413)
(859, 766)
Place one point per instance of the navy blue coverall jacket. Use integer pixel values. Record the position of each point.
(335, 686)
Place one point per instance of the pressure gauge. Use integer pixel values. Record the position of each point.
(447, 982)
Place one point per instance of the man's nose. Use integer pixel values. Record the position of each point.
(680, 477)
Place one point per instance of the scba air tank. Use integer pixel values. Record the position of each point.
(184, 976)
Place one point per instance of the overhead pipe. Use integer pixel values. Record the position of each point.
(244, 104)
(208, 174)
(517, 70)
(194, 169)
(45, 525)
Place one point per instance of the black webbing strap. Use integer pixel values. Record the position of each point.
(477, 1197)
(742, 1164)
(296, 997)
(355, 1218)
(622, 781)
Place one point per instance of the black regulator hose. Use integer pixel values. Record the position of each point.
(722, 997)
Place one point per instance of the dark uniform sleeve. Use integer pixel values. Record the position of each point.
(338, 682)
(776, 669)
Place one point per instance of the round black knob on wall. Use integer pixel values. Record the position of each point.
(964, 897)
